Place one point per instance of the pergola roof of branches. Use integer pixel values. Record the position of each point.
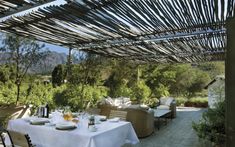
(8, 7)
(143, 30)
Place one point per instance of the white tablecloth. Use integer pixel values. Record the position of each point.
(109, 134)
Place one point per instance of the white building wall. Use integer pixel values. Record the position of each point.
(216, 92)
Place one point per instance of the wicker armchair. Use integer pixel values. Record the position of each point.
(116, 113)
(142, 120)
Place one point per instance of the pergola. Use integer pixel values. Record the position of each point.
(172, 31)
(149, 30)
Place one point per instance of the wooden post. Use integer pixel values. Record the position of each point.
(230, 84)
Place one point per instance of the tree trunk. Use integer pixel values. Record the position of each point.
(18, 93)
(138, 74)
(82, 98)
(17, 75)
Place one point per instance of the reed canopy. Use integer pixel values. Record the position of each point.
(141, 30)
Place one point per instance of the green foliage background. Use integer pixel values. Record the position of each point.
(94, 77)
(110, 77)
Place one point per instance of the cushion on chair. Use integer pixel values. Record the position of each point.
(169, 101)
(166, 100)
(163, 107)
(163, 100)
(118, 101)
(109, 101)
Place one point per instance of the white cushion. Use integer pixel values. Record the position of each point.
(163, 107)
(126, 100)
(169, 101)
(163, 100)
(109, 101)
(118, 101)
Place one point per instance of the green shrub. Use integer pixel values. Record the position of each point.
(197, 102)
(151, 102)
(181, 101)
(199, 99)
(7, 93)
(140, 91)
(80, 97)
(161, 91)
(212, 125)
(122, 90)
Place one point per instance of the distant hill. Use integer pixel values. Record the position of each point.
(43, 66)
(47, 65)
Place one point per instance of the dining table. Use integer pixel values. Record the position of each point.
(107, 134)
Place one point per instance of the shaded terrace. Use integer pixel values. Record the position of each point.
(177, 132)
(145, 31)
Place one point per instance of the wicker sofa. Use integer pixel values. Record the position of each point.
(142, 120)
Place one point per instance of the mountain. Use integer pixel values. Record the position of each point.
(43, 66)
(47, 64)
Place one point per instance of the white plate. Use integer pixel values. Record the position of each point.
(65, 126)
(116, 119)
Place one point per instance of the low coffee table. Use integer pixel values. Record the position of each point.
(161, 113)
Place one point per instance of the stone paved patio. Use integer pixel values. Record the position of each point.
(177, 133)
